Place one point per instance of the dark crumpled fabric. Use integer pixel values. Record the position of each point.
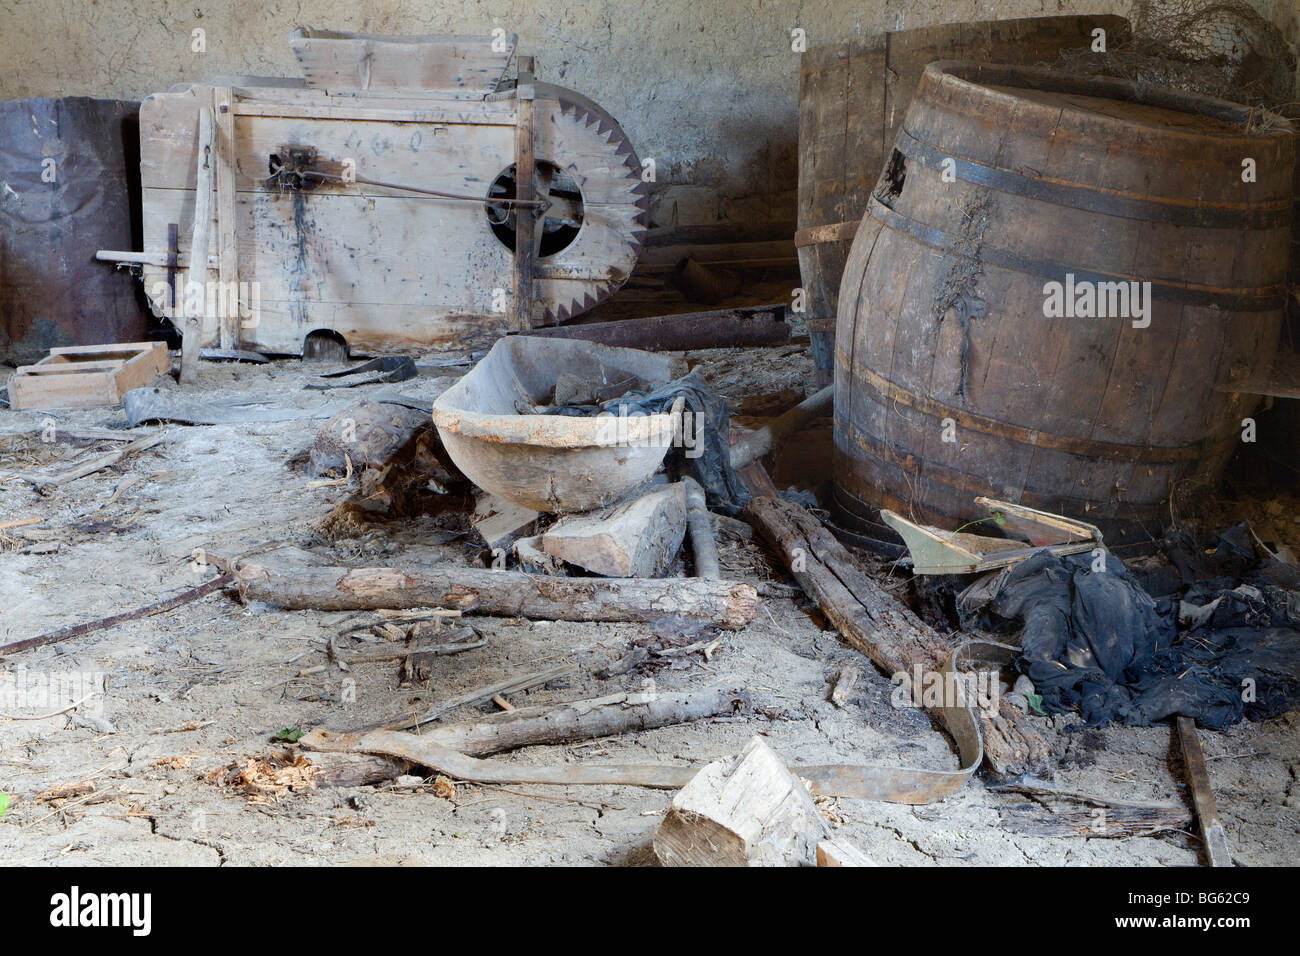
(1096, 641)
(711, 467)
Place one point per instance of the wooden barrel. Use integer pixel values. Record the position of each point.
(853, 96)
(960, 371)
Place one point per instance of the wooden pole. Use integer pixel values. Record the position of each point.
(196, 285)
(227, 251)
(525, 189)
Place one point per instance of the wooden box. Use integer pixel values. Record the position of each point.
(82, 376)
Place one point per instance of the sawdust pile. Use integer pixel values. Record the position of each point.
(269, 777)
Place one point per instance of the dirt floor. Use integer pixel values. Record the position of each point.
(126, 779)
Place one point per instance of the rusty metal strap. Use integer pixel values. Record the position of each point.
(916, 784)
(1260, 299)
(1273, 214)
(832, 232)
(886, 392)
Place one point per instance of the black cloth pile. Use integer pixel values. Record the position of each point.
(704, 454)
(1093, 639)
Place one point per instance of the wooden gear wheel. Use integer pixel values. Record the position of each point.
(587, 240)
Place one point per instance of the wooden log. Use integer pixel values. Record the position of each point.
(502, 593)
(758, 443)
(637, 538)
(746, 810)
(357, 770)
(704, 545)
(878, 624)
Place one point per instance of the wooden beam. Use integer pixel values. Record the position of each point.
(192, 323)
(227, 251)
(525, 189)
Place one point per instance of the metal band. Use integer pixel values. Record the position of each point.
(883, 452)
(1262, 299)
(1269, 215)
(887, 392)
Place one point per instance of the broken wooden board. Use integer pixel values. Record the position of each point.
(83, 376)
(498, 520)
(836, 853)
(745, 810)
(634, 539)
(1198, 779)
(1282, 380)
(935, 551)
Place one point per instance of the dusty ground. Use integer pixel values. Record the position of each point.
(211, 683)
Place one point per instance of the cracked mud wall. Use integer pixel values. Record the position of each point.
(706, 87)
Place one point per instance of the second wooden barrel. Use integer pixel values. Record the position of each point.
(853, 96)
(1054, 275)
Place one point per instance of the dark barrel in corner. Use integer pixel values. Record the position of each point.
(953, 380)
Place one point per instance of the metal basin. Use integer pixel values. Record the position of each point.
(552, 463)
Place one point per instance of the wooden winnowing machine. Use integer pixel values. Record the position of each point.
(377, 199)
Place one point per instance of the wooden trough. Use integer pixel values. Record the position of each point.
(552, 463)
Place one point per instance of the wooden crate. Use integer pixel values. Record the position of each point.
(82, 376)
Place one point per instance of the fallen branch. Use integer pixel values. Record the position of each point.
(501, 593)
(47, 479)
(511, 685)
(54, 713)
(54, 637)
(560, 723)
(420, 749)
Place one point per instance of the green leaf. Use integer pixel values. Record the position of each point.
(290, 735)
(1035, 702)
(4, 804)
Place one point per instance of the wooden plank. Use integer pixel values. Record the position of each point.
(472, 113)
(227, 251)
(1207, 811)
(362, 61)
(525, 190)
(198, 272)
